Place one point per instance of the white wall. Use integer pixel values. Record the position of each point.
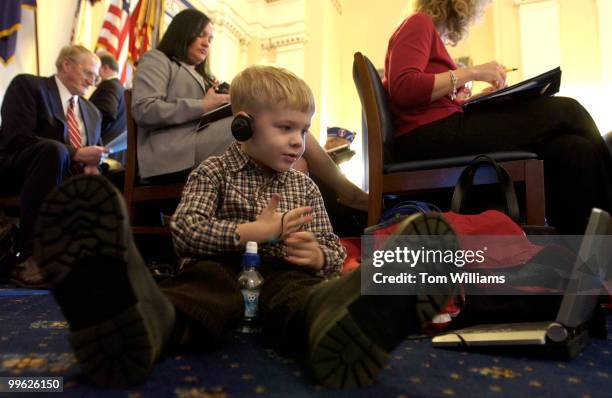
(366, 29)
(54, 28)
(52, 35)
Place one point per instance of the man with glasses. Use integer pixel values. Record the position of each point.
(49, 132)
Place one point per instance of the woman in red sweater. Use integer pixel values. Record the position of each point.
(425, 91)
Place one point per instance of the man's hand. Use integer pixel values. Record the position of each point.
(302, 249)
(91, 170)
(90, 155)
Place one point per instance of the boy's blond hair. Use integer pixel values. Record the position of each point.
(261, 87)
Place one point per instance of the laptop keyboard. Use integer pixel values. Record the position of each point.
(507, 327)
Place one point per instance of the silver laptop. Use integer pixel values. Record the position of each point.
(575, 309)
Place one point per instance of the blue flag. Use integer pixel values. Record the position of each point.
(10, 23)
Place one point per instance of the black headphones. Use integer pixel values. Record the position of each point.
(242, 127)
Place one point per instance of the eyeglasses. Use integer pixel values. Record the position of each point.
(89, 75)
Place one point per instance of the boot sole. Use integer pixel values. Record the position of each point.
(81, 245)
(343, 356)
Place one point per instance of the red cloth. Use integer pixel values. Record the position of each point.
(414, 55)
(353, 253)
(512, 250)
(515, 249)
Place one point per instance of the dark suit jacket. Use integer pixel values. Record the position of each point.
(108, 98)
(32, 110)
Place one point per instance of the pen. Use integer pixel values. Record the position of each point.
(510, 69)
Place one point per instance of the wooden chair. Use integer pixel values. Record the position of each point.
(419, 176)
(136, 192)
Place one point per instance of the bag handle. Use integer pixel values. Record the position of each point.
(466, 180)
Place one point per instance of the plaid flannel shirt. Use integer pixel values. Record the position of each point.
(227, 190)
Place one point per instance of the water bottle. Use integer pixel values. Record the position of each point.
(250, 281)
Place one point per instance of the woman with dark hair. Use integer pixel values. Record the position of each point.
(425, 92)
(176, 43)
(173, 87)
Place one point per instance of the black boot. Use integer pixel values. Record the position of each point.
(351, 335)
(119, 319)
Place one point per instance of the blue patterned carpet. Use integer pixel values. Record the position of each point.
(33, 342)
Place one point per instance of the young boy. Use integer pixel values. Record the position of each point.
(120, 320)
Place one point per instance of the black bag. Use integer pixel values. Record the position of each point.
(466, 201)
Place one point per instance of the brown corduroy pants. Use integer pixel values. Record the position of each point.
(207, 294)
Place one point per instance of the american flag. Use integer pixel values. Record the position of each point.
(115, 34)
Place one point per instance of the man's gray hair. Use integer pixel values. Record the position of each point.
(71, 52)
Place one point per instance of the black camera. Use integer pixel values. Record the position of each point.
(222, 88)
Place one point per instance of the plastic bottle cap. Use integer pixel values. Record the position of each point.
(251, 247)
(250, 258)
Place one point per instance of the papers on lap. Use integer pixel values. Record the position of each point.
(542, 85)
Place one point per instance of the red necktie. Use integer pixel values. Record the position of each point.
(73, 127)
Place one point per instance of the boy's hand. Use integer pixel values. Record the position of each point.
(302, 249)
(294, 220)
(276, 225)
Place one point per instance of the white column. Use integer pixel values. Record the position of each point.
(604, 13)
(290, 53)
(268, 53)
(228, 56)
(540, 35)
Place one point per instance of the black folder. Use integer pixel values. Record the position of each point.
(219, 113)
(547, 83)
(341, 153)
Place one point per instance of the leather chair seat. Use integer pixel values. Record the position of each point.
(457, 161)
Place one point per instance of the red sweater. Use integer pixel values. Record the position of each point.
(415, 54)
